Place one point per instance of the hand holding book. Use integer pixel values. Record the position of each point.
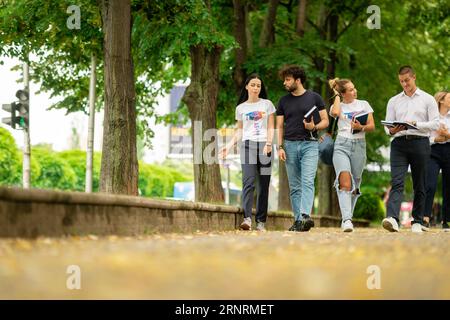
(309, 115)
(359, 120)
(398, 124)
(308, 119)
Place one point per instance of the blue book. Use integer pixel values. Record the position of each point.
(362, 119)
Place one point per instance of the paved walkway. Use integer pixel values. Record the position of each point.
(322, 264)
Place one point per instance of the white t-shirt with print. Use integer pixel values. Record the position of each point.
(348, 110)
(254, 118)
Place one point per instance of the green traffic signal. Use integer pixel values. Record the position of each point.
(19, 111)
(23, 108)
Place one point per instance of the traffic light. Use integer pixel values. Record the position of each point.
(23, 108)
(19, 111)
(12, 120)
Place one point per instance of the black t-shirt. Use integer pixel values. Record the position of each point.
(294, 108)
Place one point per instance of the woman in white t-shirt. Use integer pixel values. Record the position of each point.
(355, 118)
(439, 160)
(255, 123)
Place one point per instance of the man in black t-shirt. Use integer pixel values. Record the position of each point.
(297, 142)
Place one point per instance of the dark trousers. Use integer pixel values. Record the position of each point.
(256, 169)
(439, 159)
(404, 153)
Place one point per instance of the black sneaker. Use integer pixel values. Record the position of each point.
(305, 224)
(292, 228)
(308, 221)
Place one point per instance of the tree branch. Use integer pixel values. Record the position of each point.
(315, 26)
(356, 14)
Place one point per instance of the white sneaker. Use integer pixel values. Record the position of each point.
(416, 227)
(246, 224)
(260, 226)
(347, 226)
(390, 224)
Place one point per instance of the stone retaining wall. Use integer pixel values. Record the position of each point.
(32, 213)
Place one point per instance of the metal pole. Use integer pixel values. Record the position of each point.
(26, 134)
(90, 143)
(227, 193)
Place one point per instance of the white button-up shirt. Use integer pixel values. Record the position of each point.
(420, 107)
(444, 121)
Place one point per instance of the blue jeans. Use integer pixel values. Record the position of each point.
(301, 167)
(349, 156)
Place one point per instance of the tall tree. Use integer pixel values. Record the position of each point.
(267, 35)
(193, 31)
(119, 170)
(201, 99)
(240, 34)
(301, 17)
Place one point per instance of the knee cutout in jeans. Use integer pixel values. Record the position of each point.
(352, 181)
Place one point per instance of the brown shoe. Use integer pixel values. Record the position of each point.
(246, 224)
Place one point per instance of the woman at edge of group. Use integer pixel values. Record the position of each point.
(440, 160)
(255, 127)
(349, 156)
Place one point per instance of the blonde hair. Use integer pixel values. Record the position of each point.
(440, 96)
(338, 84)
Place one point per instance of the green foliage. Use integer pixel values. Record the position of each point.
(62, 56)
(10, 169)
(184, 167)
(77, 161)
(55, 171)
(375, 182)
(66, 170)
(369, 206)
(158, 181)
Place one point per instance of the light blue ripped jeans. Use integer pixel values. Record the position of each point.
(349, 155)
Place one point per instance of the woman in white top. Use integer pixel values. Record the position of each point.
(440, 160)
(255, 122)
(349, 156)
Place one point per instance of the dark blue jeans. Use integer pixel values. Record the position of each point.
(404, 153)
(439, 160)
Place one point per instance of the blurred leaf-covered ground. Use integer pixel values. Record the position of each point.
(322, 264)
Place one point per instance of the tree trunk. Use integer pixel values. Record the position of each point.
(325, 173)
(328, 202)
(331, 73)
(267, 36)
(301, 17)
(240, 34)
(119, 168)
(201, 99)
(284, 199)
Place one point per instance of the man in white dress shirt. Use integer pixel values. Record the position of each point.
(410, 147)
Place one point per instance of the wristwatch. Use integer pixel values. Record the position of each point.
(281, 146)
